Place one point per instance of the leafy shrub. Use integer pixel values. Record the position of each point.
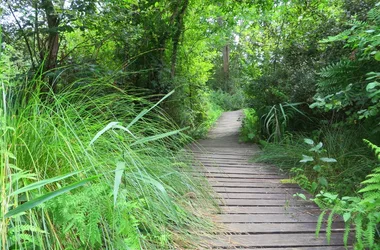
(343, 177)
(250, 125)
(362, 210)
(350, 86)
(227, 101)
(275, 121)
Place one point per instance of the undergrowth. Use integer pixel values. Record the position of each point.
(227, 101)
(354, 161)
(139, 200)
(250, 126)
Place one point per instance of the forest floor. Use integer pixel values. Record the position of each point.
(258, 209)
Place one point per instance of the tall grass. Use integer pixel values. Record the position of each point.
(46, 135)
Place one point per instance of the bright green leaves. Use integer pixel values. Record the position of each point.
(342, 86)
(377, 56)
(328, 160)
(319, 164)
(306, 158)
(308, 141)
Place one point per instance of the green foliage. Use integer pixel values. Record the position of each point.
(362, 210)
(50, 138)
(350, 86)
(250, 126)
(321, 166)
(275, 121)
(228, 102)
(343, 177)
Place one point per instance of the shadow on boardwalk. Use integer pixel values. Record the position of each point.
(257, 210)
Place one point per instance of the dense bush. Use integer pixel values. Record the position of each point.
(250, 126)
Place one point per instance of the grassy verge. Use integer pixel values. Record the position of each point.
(140, 198)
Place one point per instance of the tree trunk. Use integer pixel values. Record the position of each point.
(51, 52)
(177, 20)
(226, 66)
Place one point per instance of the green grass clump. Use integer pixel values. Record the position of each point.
(139, 200)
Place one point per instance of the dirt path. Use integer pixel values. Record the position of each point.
(258, 210)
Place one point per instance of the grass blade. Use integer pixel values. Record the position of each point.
(105, 129)
(42, 183)
(145, 111)
(120, 166)
(157, 137)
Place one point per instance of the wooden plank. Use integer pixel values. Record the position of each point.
(220, 157)
(248, 180)
(231, 170)
(294, 248)
(277, 240)
(269, 210)
(252, 185)
(244, 176)
(255, 228)
(265, 190)
(270, 218)
(254, 202)
(255, 196)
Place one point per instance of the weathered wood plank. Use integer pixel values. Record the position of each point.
(257, 228)
(248, 180)
(264, 190)
(259, 202)
(282, 197)
(294, 248)
(276, 240)
(268, 210)
(243, 176)
(271, 218)
(232, 170)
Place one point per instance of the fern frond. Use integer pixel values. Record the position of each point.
(374, 148)
(359, 229)
(374, 15)
(319, 223)
(329, 225)
(347, 229)
(370, 231)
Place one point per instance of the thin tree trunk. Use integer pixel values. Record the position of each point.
(226, 66)
(53, 38)
(178, 16)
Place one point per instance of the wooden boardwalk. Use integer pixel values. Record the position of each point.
(257, 210)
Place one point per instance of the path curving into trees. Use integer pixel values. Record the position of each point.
(257, 209)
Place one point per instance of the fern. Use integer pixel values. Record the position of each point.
(359, 229)
(336, 77)
(374, 15)
(319, 223)
(370, 231)
(347, 230)
(329, 225)
(84, 220)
